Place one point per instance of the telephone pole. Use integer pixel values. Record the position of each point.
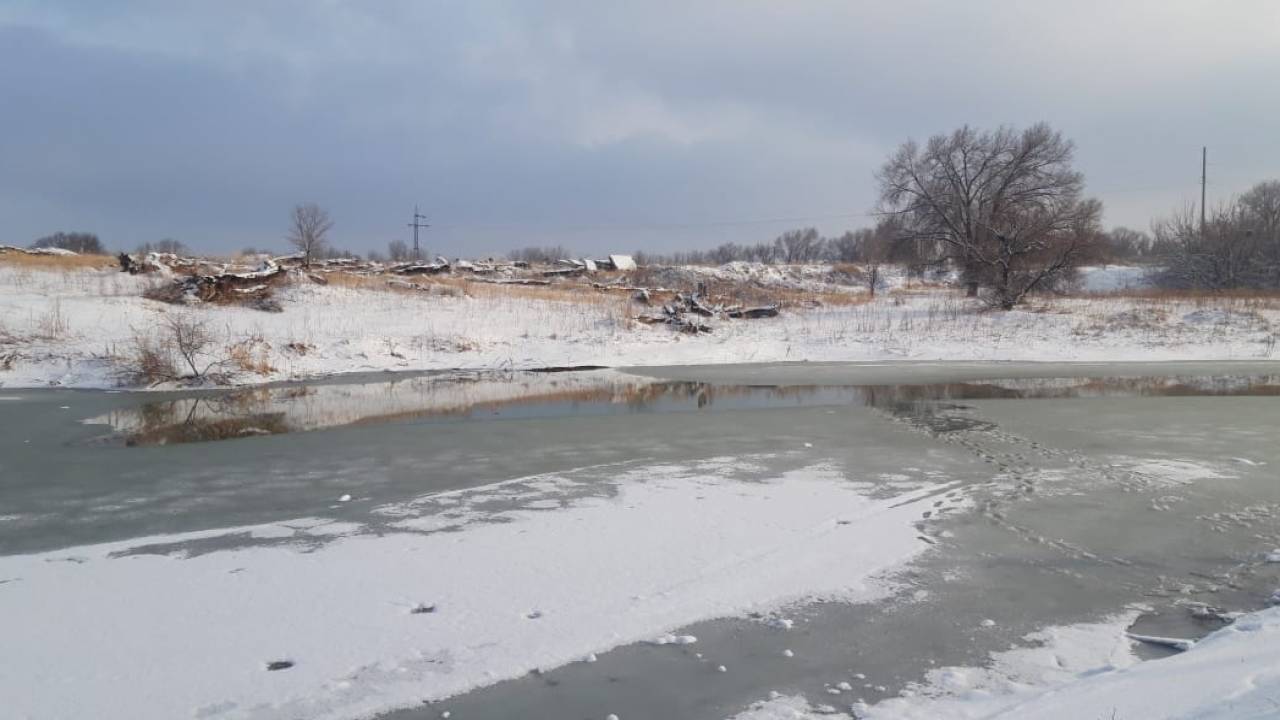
(1204, 174)
(417, 253)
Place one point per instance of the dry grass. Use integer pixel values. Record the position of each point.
(150, 360)
(611, 299)
(1253, 299)
(611, 303)
(56, 262)
(52, 324)
(251, 355)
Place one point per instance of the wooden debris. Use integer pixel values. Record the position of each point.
(751, 313)
(513, 281)
(248, 288)
(571, 271)
(440, 266)
(680, 310)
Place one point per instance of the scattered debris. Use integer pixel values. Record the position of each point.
(565, 271)
(513, 281)
(440, 266)
(253, 288)
(622, 262)
(676, 313)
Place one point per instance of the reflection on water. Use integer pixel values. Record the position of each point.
(275, 410)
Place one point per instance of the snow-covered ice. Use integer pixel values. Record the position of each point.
(192, 634)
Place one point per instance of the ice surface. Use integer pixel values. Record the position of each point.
(192, 634)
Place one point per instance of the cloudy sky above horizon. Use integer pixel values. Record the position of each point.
(595, 125)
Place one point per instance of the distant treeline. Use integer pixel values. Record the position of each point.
(883, 243)
(1236, 246)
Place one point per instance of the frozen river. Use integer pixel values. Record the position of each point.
(669, 543)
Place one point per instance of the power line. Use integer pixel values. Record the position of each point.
(1204, 178)
(417, 253)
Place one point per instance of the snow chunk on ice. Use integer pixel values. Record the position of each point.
(670, 639)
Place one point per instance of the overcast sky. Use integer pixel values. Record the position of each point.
(596, 125)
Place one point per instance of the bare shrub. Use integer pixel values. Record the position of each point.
(191, 340)
(181, 348)
(251, 355)
(149, 361)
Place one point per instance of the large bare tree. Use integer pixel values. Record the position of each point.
(308, 230)
(1005, 205)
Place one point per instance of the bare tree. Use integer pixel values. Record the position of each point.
(398, 251)
(1004, 205)
(726, 253)
(875, 248)
(540, 254)
(309, 226)
(846, 248)
(800, 246)
(1227, 253)
(1126, 244)
(167, 245)
(1260, 206)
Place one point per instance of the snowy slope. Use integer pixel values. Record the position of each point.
(64, 328)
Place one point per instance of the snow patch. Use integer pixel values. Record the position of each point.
(594, 570)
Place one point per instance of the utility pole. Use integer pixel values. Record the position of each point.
(417, 253)
(1204, 174)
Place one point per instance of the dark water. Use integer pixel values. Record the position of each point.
(221, 416)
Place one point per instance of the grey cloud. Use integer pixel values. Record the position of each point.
(590, 124)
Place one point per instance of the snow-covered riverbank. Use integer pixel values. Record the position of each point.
(1088, 671)
(74, 328)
